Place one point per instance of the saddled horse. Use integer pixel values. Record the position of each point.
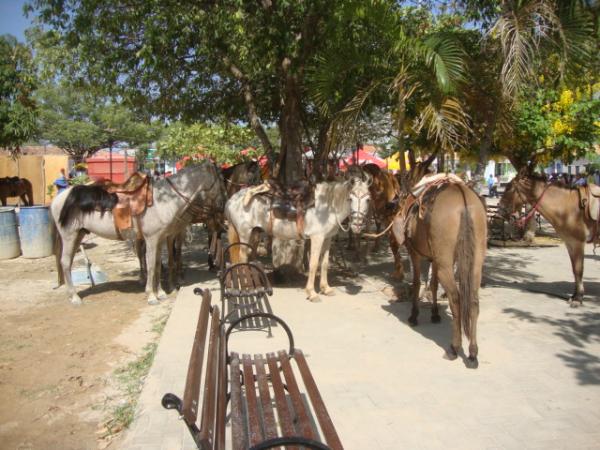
(565, 208)
(241, 175)
(445, 222)
(334, 202)
(87, 209)
(16, 187)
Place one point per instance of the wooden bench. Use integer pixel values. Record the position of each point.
(261, 395)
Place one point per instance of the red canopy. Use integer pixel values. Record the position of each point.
(361, 157)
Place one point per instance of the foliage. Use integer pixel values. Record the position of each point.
(555, 124)
(18, 109)
(222, 143)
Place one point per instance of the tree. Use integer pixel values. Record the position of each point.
(197, 61)
(18, 109)
(220, 142)
(80, 123)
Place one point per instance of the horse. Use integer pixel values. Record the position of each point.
(385, 191)
(88, 209)
(242, 175)
(446, 223)
(16, 187)
(334, 202)
(562, 207)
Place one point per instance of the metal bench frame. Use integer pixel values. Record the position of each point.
(246, 384)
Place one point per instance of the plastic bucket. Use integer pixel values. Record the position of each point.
(9, 234)
(37, 232)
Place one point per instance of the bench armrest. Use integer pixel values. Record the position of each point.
(267, 316)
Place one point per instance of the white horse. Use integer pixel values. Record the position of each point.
(87, 209)
(334, 202)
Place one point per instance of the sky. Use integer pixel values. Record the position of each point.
(12, 20)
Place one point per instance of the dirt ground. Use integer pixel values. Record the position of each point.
(57, 361)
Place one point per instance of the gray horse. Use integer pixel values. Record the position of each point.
(87, 209)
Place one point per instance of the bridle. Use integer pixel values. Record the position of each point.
(520, 222)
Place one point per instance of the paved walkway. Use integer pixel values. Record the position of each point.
(387, 385)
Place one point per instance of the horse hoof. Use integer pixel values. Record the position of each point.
(436, 318)
(162, 295)
(413, 321)
(153, 301)
(329, 291)
(472, 362)
(314, 299)
(76, 301)
(575, 302)
(451, 354)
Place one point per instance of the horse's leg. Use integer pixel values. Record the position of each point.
(3, 201)
(433, 286)
(160, 293)
(324, 283)
(69, 248)
(316, 242)
(398, 267)
(416, 287)
(576, 251)
(140, 252)
(152, 261)
(172, 259)
(445, 275)
(179, 256)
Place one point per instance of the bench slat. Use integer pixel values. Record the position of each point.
(283, 410)
(254, 428)
(238, 430)
(265, 398)
(325, 421)
(222, 393)
(191, 393)
(301, 415)
(209, 409)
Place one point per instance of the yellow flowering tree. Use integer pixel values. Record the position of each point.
(554, 124)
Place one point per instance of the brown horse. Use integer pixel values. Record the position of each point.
(562, 207)
(385, 191)
(445, 222)
(241, 175)
(16, 187)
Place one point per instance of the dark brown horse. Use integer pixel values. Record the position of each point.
(241, 175)
(565, 208)
(16, 187)
(444, 221)
(385, 191)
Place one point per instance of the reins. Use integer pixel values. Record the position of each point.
(525, 218)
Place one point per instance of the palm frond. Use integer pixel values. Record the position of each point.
(446, 57)
(446, 124)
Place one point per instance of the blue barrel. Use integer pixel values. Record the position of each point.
(37, 232)
(9, 234)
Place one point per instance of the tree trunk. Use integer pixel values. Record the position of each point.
(291, 134)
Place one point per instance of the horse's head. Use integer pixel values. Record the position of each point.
(212, 186)
(525, 188)
(512, 201)
(360, 199)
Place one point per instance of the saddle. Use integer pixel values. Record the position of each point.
(287, 202)
(418, 200)
(134, 195)
(589, 202)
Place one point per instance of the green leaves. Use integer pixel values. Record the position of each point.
(18, 110)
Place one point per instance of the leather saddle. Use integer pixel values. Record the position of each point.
(589, 201)
(135, 195)
(289, 202)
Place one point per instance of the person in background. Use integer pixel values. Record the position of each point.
(492, 188)
(581, 181)
(62, 182)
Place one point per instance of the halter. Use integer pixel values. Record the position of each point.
(356, 215)
(523, 220)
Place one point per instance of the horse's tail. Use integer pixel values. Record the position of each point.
(232, 238)
(465, 260)
(28, 191)
(85, 200)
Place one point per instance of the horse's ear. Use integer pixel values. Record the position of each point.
(367, 178)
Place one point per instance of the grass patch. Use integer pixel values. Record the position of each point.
(130, 381)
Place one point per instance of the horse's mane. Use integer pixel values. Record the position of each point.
(84, 199)
(335, 191)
